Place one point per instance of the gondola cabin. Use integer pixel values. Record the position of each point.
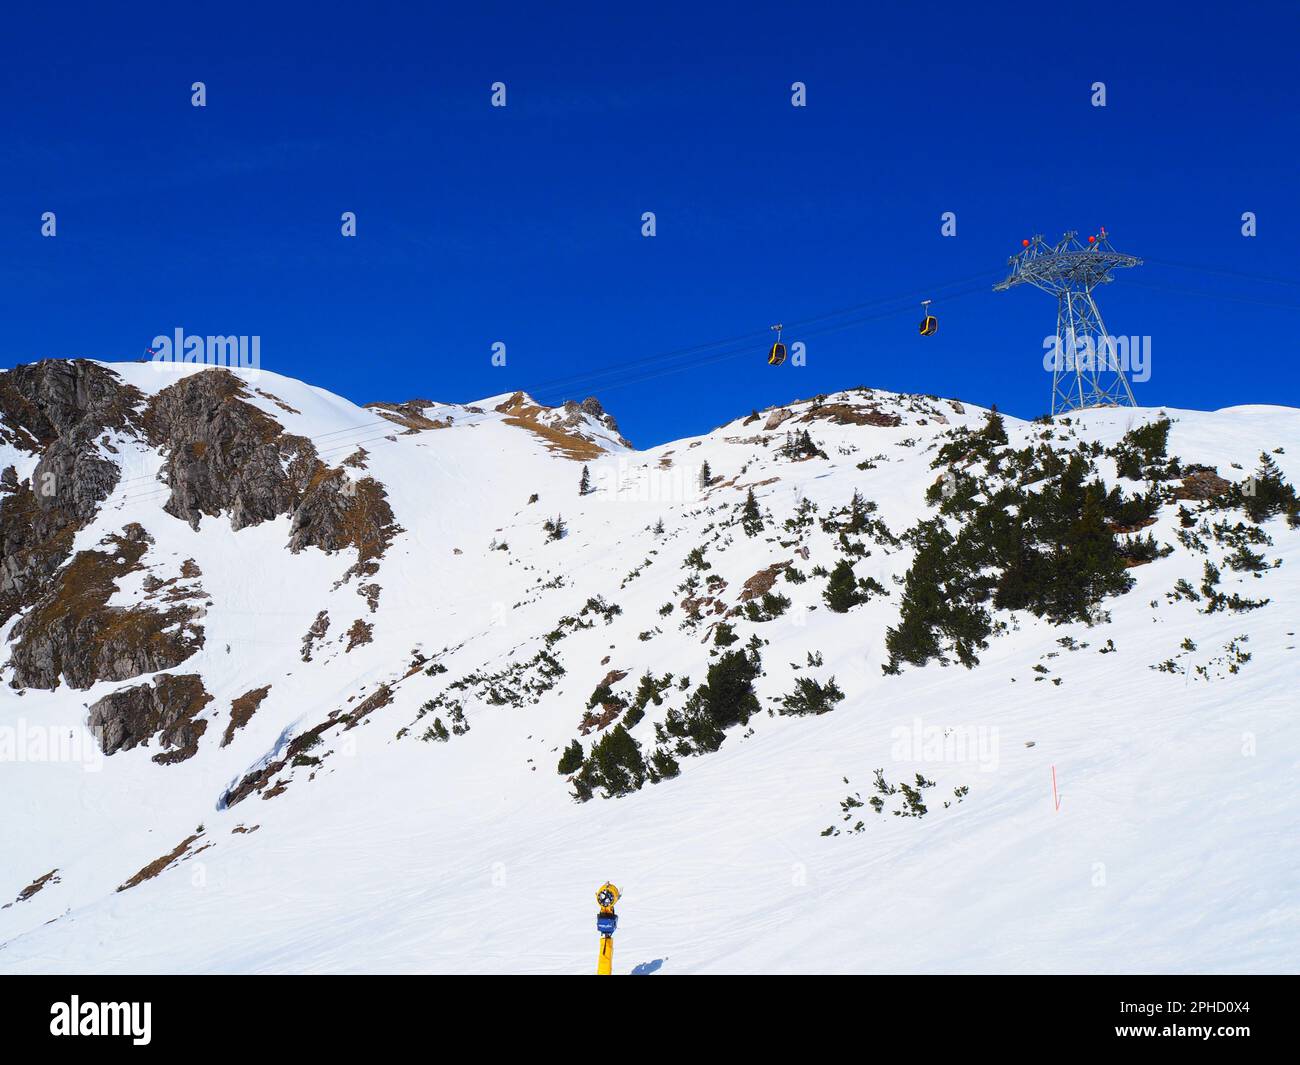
(777, 355)
(929, 324)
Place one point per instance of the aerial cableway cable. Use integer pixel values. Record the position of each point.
(684, 359)
(614, 378)
(1264, 278)
(1203, 294)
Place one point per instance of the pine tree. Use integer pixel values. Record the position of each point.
(726, 698)
(857, 513)
(663, 766)
(1087, 566)
(751, 518)
(555, 527)
(995, 429)
(571, 759)
(584, 484)
(619, 767)
(842, 590)
(728, 694)
(1267, 493)
(706, 475)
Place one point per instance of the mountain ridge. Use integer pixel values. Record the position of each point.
(361, 586)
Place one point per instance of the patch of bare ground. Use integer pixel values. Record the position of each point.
(410, 415)
(34, 887)
(1202, 484)
(242, 710)
(159, 864)
(851, 414)
(761, 582)
(610, 707)
(277, 401)
(361, 632)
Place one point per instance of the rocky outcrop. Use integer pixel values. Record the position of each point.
(35, 887)
(168, 708)
(242, 710)
(297, 752)
(61, 410)
(317, 632)
(159, 865)
(337, 512)
(591, 408)
(852, 414)
(761, 582)
(410, 415)
(226, 456)
(72, 633)
(565, 430)
(1202, 484)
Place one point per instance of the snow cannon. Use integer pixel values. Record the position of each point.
(606, 922)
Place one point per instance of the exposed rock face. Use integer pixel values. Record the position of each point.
(337, 513)
(72, 633)
(317, 632)
(224, 455)
(592, 408)
(58, 409)
(168, 707)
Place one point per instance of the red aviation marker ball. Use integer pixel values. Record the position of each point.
(1024, 243)
(1092, 240)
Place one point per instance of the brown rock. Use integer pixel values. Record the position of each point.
(167, 708)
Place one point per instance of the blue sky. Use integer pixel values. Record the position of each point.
(523, 224)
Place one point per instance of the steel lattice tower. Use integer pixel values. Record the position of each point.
(1086, 371)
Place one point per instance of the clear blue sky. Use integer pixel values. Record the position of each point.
(523, 224)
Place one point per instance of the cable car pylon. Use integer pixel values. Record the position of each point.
(1086, 369)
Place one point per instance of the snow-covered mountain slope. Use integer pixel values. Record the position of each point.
(337, 653)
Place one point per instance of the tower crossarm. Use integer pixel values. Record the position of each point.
(1067, 264)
